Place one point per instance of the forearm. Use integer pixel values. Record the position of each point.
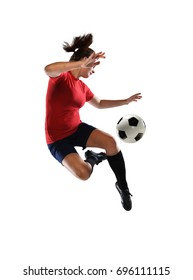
(111, 103)
(103, 103)
(56, 68)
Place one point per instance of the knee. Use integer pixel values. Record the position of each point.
(83, 173)
(111, 145)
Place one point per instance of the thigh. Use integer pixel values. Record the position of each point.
(103, 140)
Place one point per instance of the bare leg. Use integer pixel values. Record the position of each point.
(103, 140)
(77, 166)
(99, 139)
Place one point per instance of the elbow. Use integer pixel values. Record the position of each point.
(50, 71)
(47, 69)
(98, 106)
(101, 105)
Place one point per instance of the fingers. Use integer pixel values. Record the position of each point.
(136, 96)
(100, 55)
(96, 56)
(96, 63)
(93, 60)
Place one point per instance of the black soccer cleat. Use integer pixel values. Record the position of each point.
(125, 197)
(98, 157)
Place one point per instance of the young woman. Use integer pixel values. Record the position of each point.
(66, 94)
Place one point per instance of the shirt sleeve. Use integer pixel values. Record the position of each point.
(89, 95)
(88, 92)
(55, 80)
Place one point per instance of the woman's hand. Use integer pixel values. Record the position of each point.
(135, 97)
(92, 60)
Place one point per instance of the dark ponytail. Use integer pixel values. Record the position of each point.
(79, 47)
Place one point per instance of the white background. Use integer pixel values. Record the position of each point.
(48, 217)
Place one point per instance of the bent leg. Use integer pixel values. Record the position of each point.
(103, 140)
(77, 166)
(100, 139)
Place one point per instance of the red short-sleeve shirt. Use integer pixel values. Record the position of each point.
(65, 96)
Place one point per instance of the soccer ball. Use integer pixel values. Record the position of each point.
(130, 128)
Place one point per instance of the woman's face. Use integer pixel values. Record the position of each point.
(87, 72)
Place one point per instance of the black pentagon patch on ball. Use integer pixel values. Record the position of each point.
(119, 120)
(139, 136)
(122, 134)
(133, 121)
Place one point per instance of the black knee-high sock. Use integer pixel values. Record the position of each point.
(117, 164)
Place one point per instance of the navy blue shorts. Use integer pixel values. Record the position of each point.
(65, 146)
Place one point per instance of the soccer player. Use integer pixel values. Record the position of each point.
(64, 130)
